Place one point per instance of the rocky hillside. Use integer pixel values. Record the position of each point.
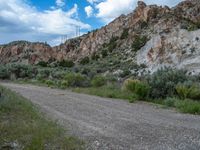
(151, 36)
(25, 52)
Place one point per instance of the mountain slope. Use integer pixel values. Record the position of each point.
(152, 36)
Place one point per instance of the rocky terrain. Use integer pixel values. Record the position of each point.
(152, 36)
(25, 52)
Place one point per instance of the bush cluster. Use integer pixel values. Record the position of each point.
(49, 83)
(191, 91)
(98, 81)
(163, 82)
(17, 71)
(139, 42)
(66, 63)
(62, 63)
(76, 80)
(104, 53)
(109, 47)
(85, 60)
(4, 74)
(95, 56)
(141, 89)
(183, 91)
(124, 34)
(112, 44)
(42, 63)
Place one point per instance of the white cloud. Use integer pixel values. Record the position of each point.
(20, 21)
(89, 11)
(60, 3)
(110, 9)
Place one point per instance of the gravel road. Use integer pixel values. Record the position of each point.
(109, 124)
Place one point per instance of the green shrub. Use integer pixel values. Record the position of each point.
(110, 91)
(42, 64)
(111, 47)
(104, 53)
(163, 82)
(144, 24)
(85, 61)
(95, 56)
(125, 73)
(4, 74)
(112, 44)
(111, 79)
(193, 27)
(76, 80)
(28, 72)
(43, 73)
(139, 42)
(183, 91)
(129, 85)
(85, 71)
(49, 83)
(98, 81)
(170, 102)
(66, 63)
(64, 84)
(194, 92)
(113, 39)
(21, 70)
(124, 34)
(188, 90)
(188, 106)
(58, 74)
(39, 77)
(141, 89)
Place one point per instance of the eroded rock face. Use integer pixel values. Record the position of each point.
(179, 49)
(25, 52)
(189, 9)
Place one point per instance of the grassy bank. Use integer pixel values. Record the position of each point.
(23, 127)
(112, 91)
(107, 92)
(185, 106)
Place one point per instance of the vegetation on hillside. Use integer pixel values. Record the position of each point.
(139, 42)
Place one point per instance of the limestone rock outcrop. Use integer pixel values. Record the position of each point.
(178, 49)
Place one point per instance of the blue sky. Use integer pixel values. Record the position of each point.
(49, 20)
(46, 4)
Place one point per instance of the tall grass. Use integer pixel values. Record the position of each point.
(108, 91)
(22, 122)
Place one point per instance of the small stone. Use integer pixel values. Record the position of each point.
(97, 143)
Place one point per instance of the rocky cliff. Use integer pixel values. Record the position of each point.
(25, 52)
(152, 36)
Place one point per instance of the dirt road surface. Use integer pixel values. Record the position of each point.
(109, 124)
